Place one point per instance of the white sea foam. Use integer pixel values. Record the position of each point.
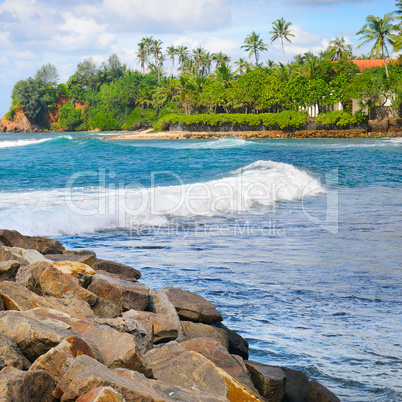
(22, 143)
(85, 210)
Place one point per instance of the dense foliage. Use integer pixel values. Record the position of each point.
(209, 89)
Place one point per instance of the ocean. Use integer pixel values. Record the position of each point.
(296, 241)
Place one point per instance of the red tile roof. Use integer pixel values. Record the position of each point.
(363, 64)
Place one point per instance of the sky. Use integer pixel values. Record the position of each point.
(65, 32)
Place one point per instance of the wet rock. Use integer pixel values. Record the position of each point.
(124, 271)
(101, 394)
(8, 270)
(26, 386)
(12, 238)
(191, 306)
(237, 344)
(24, 257)
(32, 337)
(116, 349)
(269, 380)
(198, 330)
(316, 392)
(10, 355)
(46, 246)
(216, 353)
(124, 294)
(46, 280)
(86, 373)
(87, 259)
(296, 385)
(58, 359)
(174, 365)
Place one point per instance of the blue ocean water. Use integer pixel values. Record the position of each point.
(297, 242)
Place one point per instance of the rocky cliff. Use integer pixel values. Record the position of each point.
(19, 124)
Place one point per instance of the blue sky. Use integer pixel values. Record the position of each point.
(35, 32)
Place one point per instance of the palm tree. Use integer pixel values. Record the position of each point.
(220, 58)
(198, 55)
(380, 31)
(280, 29)
(338, 49)
(142, 56)
(171, 51)
(254, 45)
(182, 52)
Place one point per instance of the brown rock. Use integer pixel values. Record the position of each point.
(79, 252)
(124, 271)
(2, 306)
(174, 365)
(191, 306)
(116, 349)
(269, 380)
(86, 373)
(73, 268)
(198, 330)
(12, 238)
(19, 124)
(23, 256)
(58, 359)
(124, 294)
(8, 270)
(46, 246)
(316, 392)
(296, 385)
(216, 353)
(105, 309)
(101, 394)
(32, 337)
(46, 280)
(10, 355)
(237, 344)
(87, 259)
(26, 386)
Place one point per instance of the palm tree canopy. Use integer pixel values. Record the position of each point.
(254, 44)
(338, 49)
(380, 31)
(280, 29)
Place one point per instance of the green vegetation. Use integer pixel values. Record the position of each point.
(208, 89)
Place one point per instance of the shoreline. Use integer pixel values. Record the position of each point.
(276, 134)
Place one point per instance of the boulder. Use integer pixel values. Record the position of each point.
(191, 306)
(193, 330)
(87, 259)
(163, 330)
(101, 394)
(8, 270)
(12, 238)
(116, 349)
(316, 392)
(46, 246)
(46, 280)
(58, 359)
(17, 297)
(85, 373)
(124, 294)
(237, 344)
(296, 385)
(10, 355)
(24, 257)
(105, 309)
(269, 380)
(26, 386)
(174, 365)
(124, 271)
(2, 306)
(216, 353)
(32, 337)
(172, 392)
(74, 268)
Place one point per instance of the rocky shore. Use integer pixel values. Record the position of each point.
(74, 327)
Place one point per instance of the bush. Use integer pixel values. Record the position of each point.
(140, 118)
(340, 118)
(283, 120)
(70, 118)
(103, 121)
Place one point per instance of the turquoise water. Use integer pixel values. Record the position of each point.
(297, 242)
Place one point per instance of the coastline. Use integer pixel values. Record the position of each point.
(204, 135)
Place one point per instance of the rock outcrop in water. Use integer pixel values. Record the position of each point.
(77, 328)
